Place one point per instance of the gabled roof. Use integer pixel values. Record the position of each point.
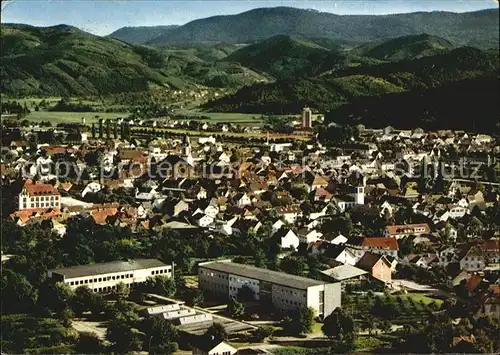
(344, 272)
(407, 228)
(37, 189)
(368, 260)
(389, 243)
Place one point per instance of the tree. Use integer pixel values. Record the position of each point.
(66, 317)
(293, 266)
(198, 298)
(299, 321)
(122, 337)
(163, 336)
(83, 300)
(217, 332)
(121, 292)
(161, 285)
(338, 325)
(89, 343)
(57, 297)
(17, 292)
(262, 333)
(236, 309)
(385, 326)
(476, 225)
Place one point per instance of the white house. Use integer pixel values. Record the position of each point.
(202, 220)
(92, 187)
(288, 238)
(340, 239)
(211, 211)
(243, 200)
(213, 348)
(309, 236)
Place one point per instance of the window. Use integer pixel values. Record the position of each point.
(71, 283)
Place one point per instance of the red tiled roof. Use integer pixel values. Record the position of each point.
(380, 242)
(492, 245)
(406, 228)
(473, 282)
(40, 189)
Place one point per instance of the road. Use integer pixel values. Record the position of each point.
(90, 327)
(422, 288)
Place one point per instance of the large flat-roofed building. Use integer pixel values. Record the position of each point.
(284, 291)
(103, 277)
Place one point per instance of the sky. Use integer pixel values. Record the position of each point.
(102, 17)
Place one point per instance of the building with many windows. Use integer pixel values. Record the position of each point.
(285, 292)
(36, 195)
(306, 118)
(103, 277)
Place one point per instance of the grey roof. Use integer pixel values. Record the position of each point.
(344, 272)
(270, 276)
(106, 268)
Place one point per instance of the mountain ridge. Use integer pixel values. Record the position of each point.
(479, 28)
(140, 34)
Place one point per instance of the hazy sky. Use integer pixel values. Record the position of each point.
(104, 16)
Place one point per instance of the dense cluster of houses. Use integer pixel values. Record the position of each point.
(289, 192)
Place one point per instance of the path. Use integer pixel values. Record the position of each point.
(412, 285)
(90, 327)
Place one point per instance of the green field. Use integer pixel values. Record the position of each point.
(409, 308)
(72, 117)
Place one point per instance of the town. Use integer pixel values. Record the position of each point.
(250, 177)
(205, 242)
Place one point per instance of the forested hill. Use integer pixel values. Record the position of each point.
(478, 28)
(341, 86)
(406, 47)
(280, 56)
(140, 35)
(470, 104)
(63, 60)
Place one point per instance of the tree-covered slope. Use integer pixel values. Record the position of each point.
(474, 28)
(406, 47)
(140, 35)
(62, 60)
(280, 56)
(470, 104)
(341, 86)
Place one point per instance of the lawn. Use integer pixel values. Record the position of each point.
(421, 297)
(407, 308)
(72, 117)
(372, 343)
